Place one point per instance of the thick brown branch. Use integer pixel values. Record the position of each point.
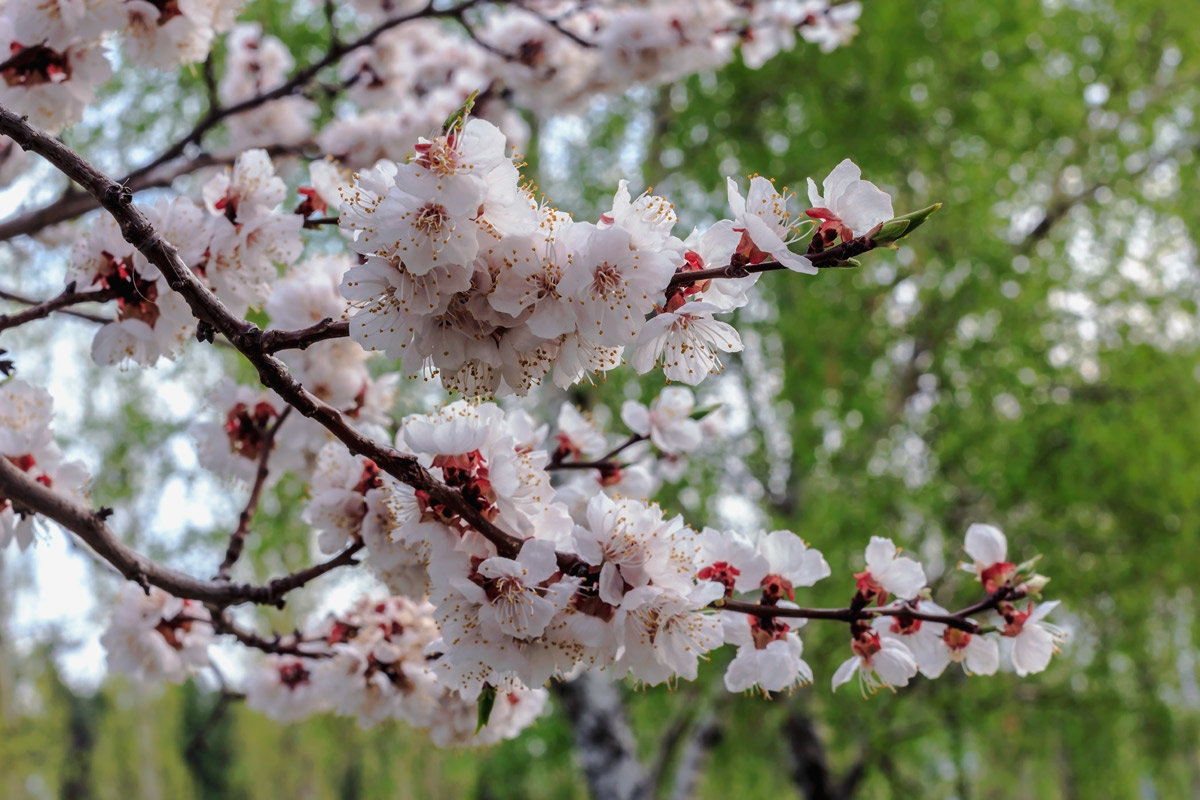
(69, 297)
(237, 540)
(274, 341)
(90, 526)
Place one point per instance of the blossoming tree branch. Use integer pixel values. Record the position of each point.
(515, 550)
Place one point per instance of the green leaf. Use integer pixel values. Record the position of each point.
(456, 120)
(902, 226)
(487, 701)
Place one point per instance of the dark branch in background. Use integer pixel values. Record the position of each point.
(556, 23)
(30, 496)
(69, 297)
(706, 734)
(603, 740)
(810, 769)
(237, 540)
(317, 222)
(199, 740)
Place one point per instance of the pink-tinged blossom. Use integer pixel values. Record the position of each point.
(509, 590)
(667, 421)
(578, 358)
(338, 492)
(685, 342)
(850, 206)
(529, 280)
(634, 545)
(763, 216)
(251, 237)
(255, 64)
(233, 446)
(790, 563)
(378, 669)
(1034, 641)
(935, 645)
(25, 414)
(424, 221)
(26, 443)
(978, 654)
(167, 35)
(455, 722)
(152, 320)
(830, 26)
(282, 687)
(878, 661)
(155, 636)
(988, 546)
(579, 437)
(768, 656)
(714, 249)
(611, 285)
(888, 572)
(731, 560)
(664, 634)
(50, 80)
(649, 220)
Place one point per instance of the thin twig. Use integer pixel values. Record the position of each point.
(957, 619)
(289, 645)
(68, 297)
(336, 51)
(556, 24)
(833, 258)
(603, 461)
(237, 541)
(29, 301)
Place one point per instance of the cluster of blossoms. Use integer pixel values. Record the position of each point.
(56, 47)
(549, 57)
(466, 275)
(890, 650)
(156, 637)
(374, 662)
(616, 586)
(27, 442)
(408, 77)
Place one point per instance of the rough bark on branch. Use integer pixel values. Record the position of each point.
(90, 526)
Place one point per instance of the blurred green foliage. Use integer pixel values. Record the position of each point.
(1028, 358)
